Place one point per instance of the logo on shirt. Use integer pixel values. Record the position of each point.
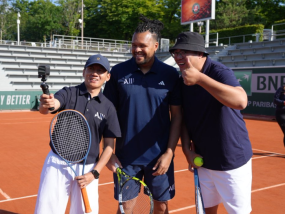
(129, 81)
(172, 188)
(161, 83)
(100, 116)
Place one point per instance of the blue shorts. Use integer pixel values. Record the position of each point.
(162, 186)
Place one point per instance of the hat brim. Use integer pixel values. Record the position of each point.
(98, 64)
(189, 47)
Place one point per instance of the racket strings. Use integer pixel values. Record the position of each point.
(70, 136)
(135, 198)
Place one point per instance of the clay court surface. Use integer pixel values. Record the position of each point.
(24, 145)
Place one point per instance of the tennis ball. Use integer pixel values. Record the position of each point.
(198, 161)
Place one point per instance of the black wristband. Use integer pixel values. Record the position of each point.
(95, 173)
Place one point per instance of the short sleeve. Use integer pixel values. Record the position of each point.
(63, 97)
(110, 90)
(112, 127)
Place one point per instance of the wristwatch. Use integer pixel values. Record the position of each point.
(95, 173)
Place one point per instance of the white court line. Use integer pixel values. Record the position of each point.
(4, 194)
(268, 152)
(181, 209)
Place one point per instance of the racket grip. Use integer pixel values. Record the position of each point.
(86, 200)
(45, 90)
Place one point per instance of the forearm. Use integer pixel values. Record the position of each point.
(106, 154)
(233, 97)
(176, 120)
(185, 141)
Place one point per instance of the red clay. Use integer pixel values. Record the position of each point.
(24, 146)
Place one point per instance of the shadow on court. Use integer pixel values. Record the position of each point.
(6, 212)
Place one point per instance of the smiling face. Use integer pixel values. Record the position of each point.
(95, 75)
(180, 57)
(143, 48)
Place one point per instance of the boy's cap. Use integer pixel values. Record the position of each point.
(98, 59)
(190, 41)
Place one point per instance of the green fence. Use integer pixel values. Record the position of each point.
(19, 100)
(260, 85)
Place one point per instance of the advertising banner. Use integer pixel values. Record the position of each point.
(260, 85)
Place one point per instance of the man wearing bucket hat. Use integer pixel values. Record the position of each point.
(211, 100)
(58, 182)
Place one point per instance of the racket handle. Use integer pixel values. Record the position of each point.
(86, 200)
(45, 90)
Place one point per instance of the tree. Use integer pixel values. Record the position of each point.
(70, 15)
(230, 13)
(117, 19)
(171, 14)
(5, 24)
(267, 11)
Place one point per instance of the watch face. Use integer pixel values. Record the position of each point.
(95, 173)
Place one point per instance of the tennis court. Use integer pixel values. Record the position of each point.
(24, 144)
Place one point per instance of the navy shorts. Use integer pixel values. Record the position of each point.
(162, 186)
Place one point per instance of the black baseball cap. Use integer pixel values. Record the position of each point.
(98, 59)
(190, 41)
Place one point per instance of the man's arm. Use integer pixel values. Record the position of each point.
(233, 97)
(164, 161)
(230, 96)
(87, 178)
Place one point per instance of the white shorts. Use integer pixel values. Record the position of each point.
(232, 188)
(57, 184)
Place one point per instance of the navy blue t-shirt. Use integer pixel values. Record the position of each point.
(218, 132)
(142, 102)
(99, 112)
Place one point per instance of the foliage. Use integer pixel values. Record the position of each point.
(117, 19)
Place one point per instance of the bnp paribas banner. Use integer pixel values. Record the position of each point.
(19, 100)
(260, 85)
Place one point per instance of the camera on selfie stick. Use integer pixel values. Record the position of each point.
(43, 72)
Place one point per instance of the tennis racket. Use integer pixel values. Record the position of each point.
(71, 138)
(198, 194)
(134, 195)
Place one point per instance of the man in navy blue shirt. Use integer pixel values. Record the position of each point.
(144, 90)
(211, 102)
(58, 181)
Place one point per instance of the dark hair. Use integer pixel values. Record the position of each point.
(153, 26)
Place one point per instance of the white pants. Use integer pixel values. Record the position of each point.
(232, 187)
(57, 185)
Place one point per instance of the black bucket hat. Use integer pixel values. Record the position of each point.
(190, 41)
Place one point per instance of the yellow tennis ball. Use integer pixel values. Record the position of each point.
(198, 161)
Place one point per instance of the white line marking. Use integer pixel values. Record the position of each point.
(268, 152)
(106, 183)
(13, 199)
(4, 194)
(181, 209)
(257, 190)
